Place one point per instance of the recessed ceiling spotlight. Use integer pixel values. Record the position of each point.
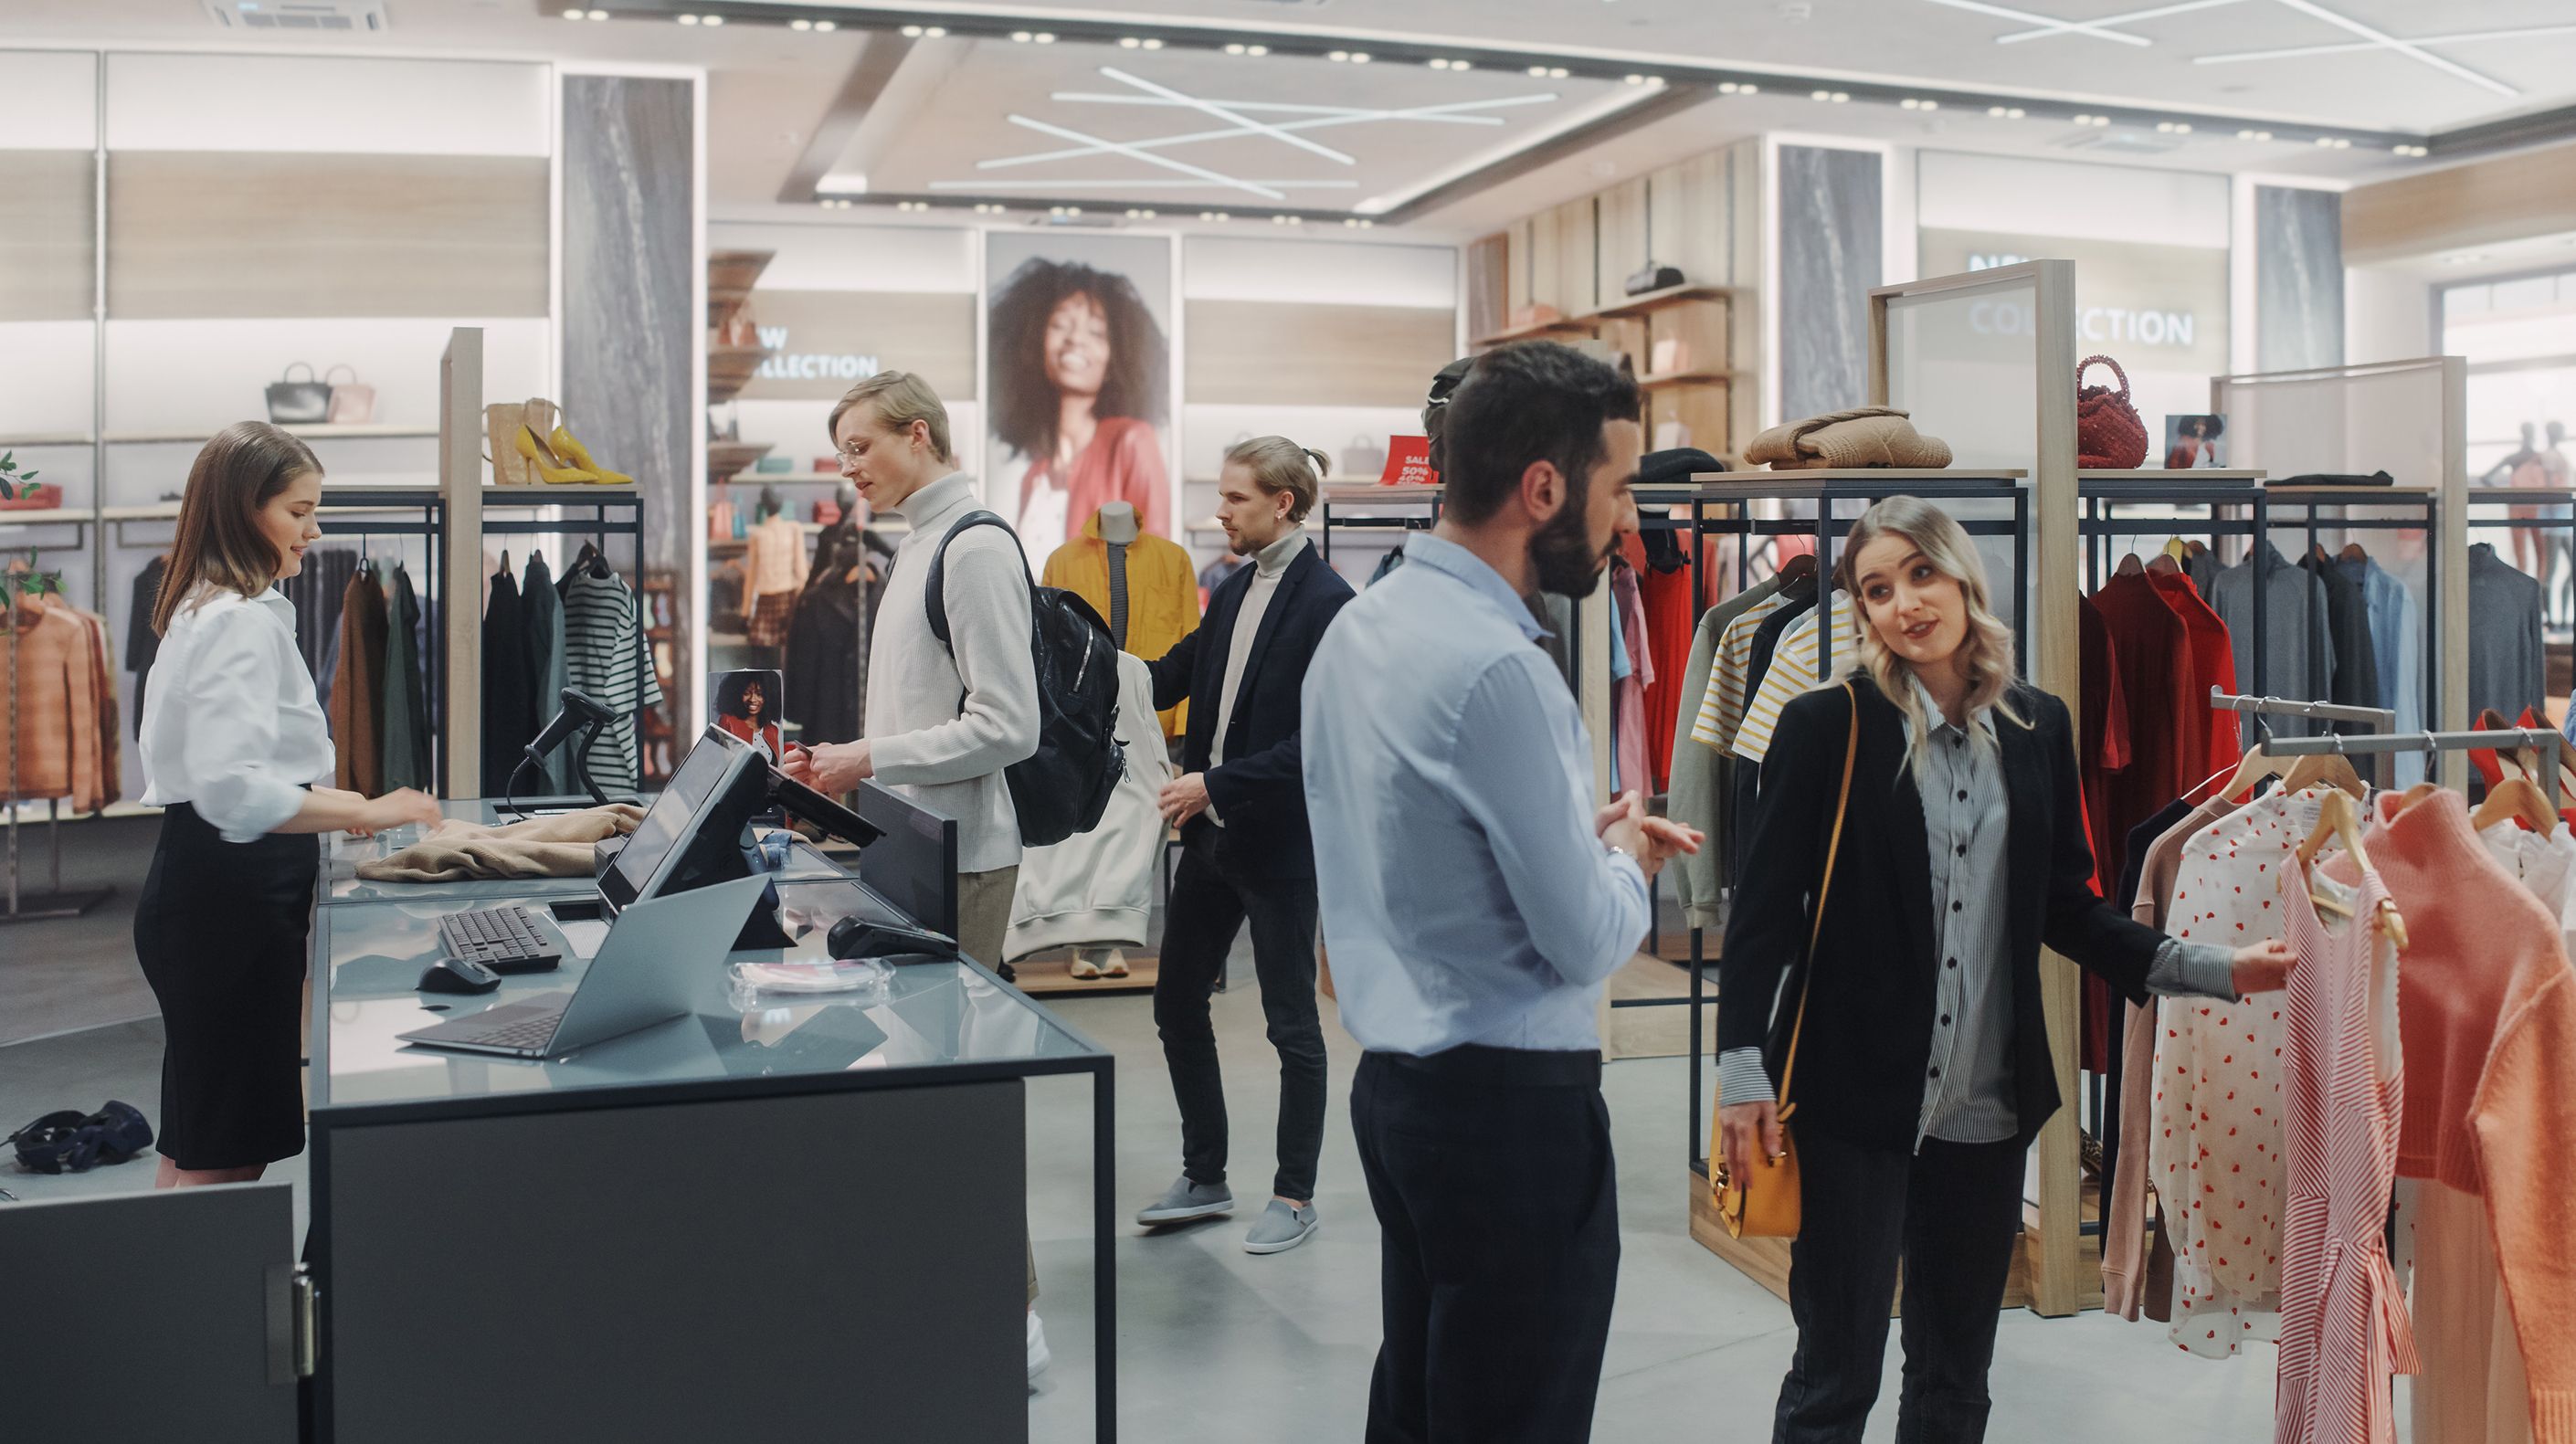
(1556, 72)
(933, 32)
(2343, 143)
(1337, 55)
(1234, 47)
(1748, 88)
(1128, 42)
(1359, 57)
(1931, 105)
(598, 14)
(1153, 42)
(912, 32)
(715, 20)
(576, 15)
(1635, 79)
(1462, 65)
(2182, 127)
(1539, 70)
(1044, 37)
(2165, 126)
(800, 24)
(1256, 50)
(1820, 95)
(1841, 96)
(2101, 120)
(1020, 36)
(1055, 210)
(1073, 210)
(688, 19)
(1439, 63)
(1728, 87)
(827, 25)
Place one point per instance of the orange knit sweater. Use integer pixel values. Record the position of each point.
(2486, 1014)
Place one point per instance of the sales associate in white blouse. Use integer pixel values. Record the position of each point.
(234, 751)
(1927, 1069)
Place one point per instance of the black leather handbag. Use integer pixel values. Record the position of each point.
(299, 403)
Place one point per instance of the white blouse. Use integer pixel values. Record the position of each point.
(231, 722)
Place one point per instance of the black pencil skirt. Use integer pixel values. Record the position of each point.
(221, 930)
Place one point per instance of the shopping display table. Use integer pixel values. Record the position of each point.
(780, 1217)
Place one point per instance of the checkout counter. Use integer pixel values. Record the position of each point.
(784, 1216)
(779, 1217)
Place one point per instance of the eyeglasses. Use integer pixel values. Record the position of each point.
(848, 457)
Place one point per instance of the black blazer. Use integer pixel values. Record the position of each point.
(1261, 789)
(1868, 1034)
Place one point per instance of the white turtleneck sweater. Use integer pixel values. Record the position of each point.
(1268, 566)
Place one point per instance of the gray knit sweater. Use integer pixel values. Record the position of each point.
(942, 752)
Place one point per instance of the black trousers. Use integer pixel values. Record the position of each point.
(1498, 1200)
(1950, 1213)
(1215, 890)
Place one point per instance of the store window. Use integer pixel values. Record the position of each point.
(2518, 334)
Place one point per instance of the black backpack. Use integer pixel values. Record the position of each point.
(1064, 787)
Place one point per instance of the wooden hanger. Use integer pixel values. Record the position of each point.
(2352, 552)
(2325, 767)
(2339, 818)
(2516, 799)
(2257, 765)
(2175, 549)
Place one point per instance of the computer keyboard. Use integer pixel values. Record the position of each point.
(504, 939)
(534, 1032)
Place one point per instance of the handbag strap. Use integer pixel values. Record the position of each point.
(290, 370)
(1815, 930)
(2087, 364)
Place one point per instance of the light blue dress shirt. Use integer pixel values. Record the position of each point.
(1448, 776)
(2397, 636)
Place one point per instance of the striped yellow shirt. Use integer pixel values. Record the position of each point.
(1721, 705)
(1793, 671)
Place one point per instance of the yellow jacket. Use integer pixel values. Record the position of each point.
(1162, 593)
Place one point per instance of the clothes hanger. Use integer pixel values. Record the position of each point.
(2256, 765)
(1798, 568)
(2129, 566)
(2339, 818)
(2175, 549)
(2516, 799)
(2326, 767)
(2163, 564)
(2352, 552)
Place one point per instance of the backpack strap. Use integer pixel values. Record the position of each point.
(935, 591)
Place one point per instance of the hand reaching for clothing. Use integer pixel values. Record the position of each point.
(2263, 968)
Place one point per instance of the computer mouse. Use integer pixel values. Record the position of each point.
(456, 975)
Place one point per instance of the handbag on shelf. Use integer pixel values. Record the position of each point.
(1365, 456)
(2109, 434)
(353, 402)
(1767, 1205)
(1654, 277)
(299, 403)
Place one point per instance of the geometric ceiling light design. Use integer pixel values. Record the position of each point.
(2098, 28)
(1240, 123)
(2465, 37)
(2372, 39)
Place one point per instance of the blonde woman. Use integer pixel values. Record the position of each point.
(1924, 1069)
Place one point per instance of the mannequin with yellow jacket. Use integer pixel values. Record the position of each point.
(1116, 554)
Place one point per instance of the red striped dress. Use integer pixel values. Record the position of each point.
(2344, 1328)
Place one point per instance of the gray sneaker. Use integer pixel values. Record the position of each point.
(1185, 1200)
(1281, 1227)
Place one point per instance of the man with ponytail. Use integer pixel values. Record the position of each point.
(1240, 804)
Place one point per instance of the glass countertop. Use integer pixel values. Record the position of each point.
(342, 853)
(929, 1014)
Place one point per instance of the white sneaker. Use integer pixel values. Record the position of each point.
(1039, 1358)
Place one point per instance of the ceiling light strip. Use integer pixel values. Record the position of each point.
(1166, 142)
(2069, 27)
(2347, 47)
(2406, 48)
(2076, 27)
(1222, 113)
(1147, 156)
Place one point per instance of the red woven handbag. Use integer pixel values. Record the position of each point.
(2108, 433)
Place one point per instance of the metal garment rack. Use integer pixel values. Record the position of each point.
(2541, 739)
(2102, 498)
(430, 524)
(2307, 499)
(55, 901)
(2519, 496)
(1830, 490)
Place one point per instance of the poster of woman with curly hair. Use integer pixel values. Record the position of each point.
(1080, 381)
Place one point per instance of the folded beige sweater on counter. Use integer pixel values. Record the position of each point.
(1865, 436)
(557, 846)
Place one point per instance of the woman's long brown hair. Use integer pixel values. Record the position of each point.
(241, 470)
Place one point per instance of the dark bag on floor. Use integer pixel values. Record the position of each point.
(1065, 786)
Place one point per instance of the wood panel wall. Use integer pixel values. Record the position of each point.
(48, 234)
(1282, 353)
(2505, 199)
(216, 234)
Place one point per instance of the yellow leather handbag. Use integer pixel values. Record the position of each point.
(1766, 1206)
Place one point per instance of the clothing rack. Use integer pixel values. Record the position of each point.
(2103, 493)
(2424, 500)
(2540, 739)
(2379, 717)
(2528, 496)
(55, 901)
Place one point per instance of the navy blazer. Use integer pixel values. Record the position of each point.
(1260, 790)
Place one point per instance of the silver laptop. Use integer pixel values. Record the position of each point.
(640, 976)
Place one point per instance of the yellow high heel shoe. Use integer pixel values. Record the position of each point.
(566, 445)
(548, 465)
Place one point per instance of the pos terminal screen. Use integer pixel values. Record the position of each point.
(674, 814)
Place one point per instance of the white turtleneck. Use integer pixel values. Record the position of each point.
(1268, 566)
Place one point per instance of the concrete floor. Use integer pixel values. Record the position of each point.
(1214, 1343)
